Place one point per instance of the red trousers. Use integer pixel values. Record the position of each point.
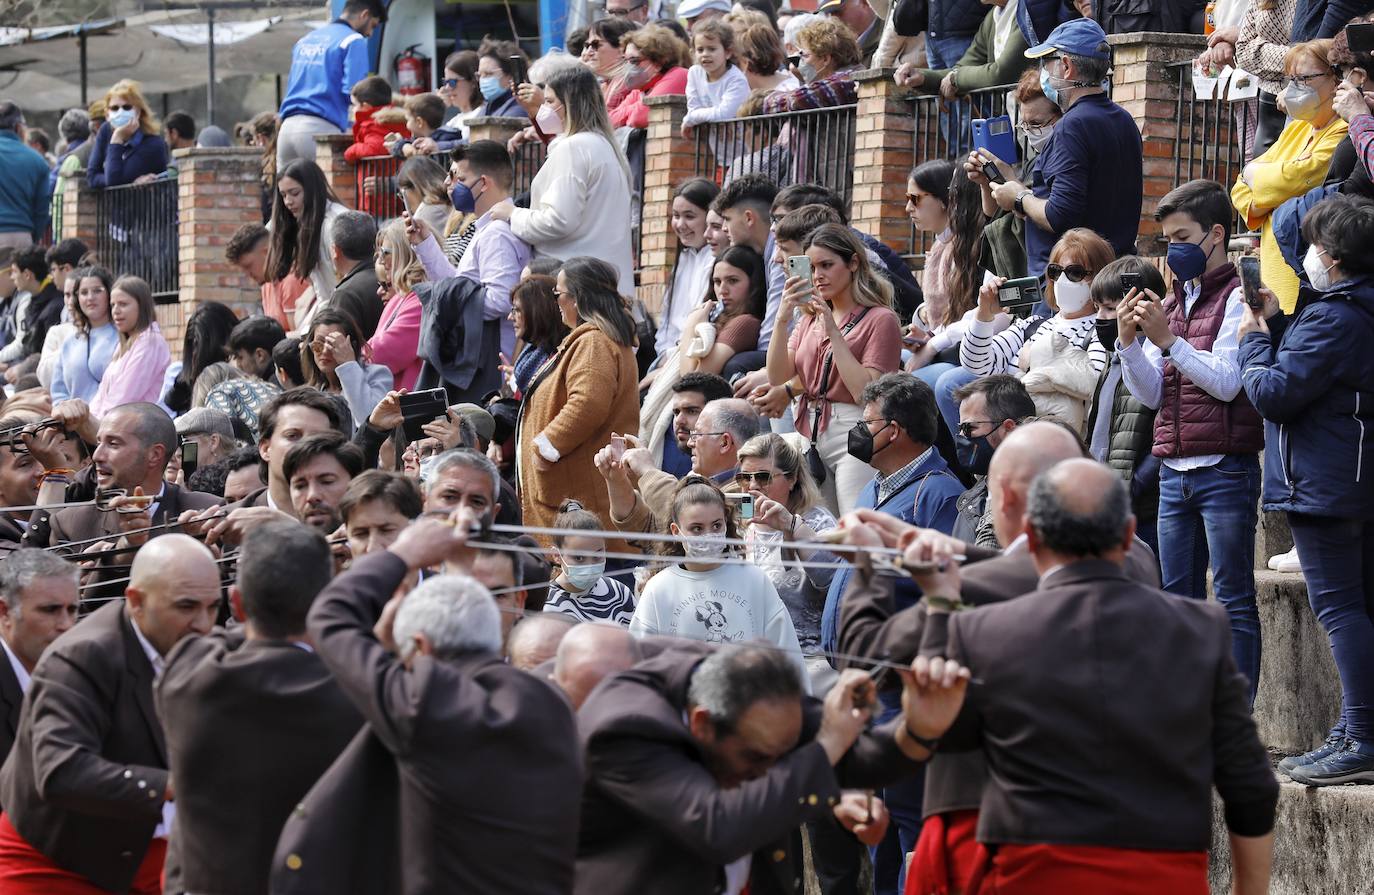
(946, 854)
(24, 870)
(1060, 869)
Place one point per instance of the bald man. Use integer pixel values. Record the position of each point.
(1137, 735)
(535, 639)
(590, 653)
(86, 789)
(870, 625)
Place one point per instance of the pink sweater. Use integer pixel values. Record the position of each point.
(136, 375)
(397, 337)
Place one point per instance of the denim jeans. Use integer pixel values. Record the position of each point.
(945, 387)
(1338, 562)
(943, 52)
(1212, 512)
(903, 801)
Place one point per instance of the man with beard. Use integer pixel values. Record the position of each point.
(319, 470)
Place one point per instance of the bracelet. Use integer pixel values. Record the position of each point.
(60, 475)
(792, 529)
(904, 734)
(791, 395)
(944, 604)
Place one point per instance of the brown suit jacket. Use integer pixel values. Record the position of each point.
(1108, 711)
(11, 536)
(654, 819)
(250, 726)
(871, 626)
(85, 779)
(489, 777)
(82, 523)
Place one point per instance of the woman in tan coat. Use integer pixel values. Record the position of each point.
(586, 391)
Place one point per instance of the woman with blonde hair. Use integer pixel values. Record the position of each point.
(847, 336)
(788, 509)
(140, 362)
(397, 337)
(421, 182)
(129, 146)
(580, 199)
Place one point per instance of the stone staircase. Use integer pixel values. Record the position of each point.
(1324, 838)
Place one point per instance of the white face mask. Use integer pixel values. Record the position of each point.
(548, 119)
(1318, 274)
(1070, 296)
(1036, 139)
(584, 576)
(707, 546)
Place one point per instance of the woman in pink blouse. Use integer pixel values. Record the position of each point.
(140, 362)
(847, 335)
(653, 58)
(398, 333)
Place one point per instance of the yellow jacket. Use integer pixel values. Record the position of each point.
(1297, 162)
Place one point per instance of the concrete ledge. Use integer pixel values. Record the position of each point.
(1299, 693)
(1322, 842)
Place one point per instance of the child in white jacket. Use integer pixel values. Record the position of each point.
(716, 87)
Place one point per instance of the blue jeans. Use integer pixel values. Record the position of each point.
(943, 52)
(903, 801)
(949, 382)
(1337, 558)
(1212, 513)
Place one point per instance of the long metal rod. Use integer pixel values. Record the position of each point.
(210, 87)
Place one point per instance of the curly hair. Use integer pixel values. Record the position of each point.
(829, 37)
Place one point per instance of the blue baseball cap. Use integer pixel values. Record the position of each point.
(1078, 37)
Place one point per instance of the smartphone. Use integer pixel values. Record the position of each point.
(617, 446)
(744, 503)
(993, 173)
(423, 407)
(1018, 294)
(1360, 37)
(1250, 281)
(996, 137)
(522, 74)
(190, 458)
(799, 266)
(1131, 280)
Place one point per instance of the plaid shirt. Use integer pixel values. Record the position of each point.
(1362, 135)
(889, 485)
(835, 89)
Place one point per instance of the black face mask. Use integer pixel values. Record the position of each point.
(1106, 334)
(974, 453)
(861, 441)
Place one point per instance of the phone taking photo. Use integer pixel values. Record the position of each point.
(1250, 283)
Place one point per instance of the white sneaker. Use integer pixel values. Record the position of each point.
(1286, 562)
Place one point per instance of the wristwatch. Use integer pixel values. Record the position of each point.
(1020, 203)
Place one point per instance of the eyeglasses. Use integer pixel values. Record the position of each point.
(696, 435)
(623, 12)
(450, 83)
(124, 108)
(594, 44)
(385, 252)
(1303, 79)
(915, 198)
(746, 480)
(966, 429)
(1076, 273)
(559, 293)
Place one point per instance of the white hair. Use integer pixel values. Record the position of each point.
(795, 25)
(455, 612)
(555, 60)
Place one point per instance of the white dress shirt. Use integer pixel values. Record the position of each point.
(21, 674)
(1216, 372)
(169, 809)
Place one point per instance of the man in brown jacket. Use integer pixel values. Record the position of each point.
(86, 790)
(1102, 748)
(485, 775)
(700, 768)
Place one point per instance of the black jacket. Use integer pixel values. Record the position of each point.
(356, 295)
(460, 349)
(44, 312)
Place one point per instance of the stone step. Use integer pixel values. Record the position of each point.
(1299, 693)
(1322, 842)
(1272, 537)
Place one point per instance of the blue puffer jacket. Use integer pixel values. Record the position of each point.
(955, 18)
(1037, 18)
(1323, 18)
(1287, 223)
(1316, 394)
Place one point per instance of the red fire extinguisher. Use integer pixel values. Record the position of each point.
(412, 71)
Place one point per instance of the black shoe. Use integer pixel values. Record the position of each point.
(1333, 743)
(1354, 763)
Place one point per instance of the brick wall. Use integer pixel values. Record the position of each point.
(884, 155)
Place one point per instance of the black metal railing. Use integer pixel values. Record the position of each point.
(136, 233)
(944, 130)
(1210, 140)
(528, 160)
(811, 146)
(374, 187)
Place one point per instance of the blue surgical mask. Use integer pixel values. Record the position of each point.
(491, 87)
(122, 117)
(1051, 92)
(464, 199)
(1187, 259)
(582, 577)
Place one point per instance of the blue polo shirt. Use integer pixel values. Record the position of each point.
(1091, 173)
(23, 188)
(325, 64)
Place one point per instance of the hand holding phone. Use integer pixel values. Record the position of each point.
(1250, 283)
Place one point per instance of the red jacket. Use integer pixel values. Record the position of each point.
(369, 132)
(630, 111)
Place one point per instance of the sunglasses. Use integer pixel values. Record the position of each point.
(748, 480)
(450, 83)
(966, 429)
(623, 12)
(1076, 273)
(124, 108)
(594, 44)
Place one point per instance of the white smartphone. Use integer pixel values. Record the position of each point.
(799, 266)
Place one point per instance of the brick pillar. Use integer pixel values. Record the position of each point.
(495, 128)
(668, 160)
(1144, 85)
(884, 154)
(78, 212)
(217, 192)
(329, 155)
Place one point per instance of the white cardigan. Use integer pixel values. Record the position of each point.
(580, 205)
